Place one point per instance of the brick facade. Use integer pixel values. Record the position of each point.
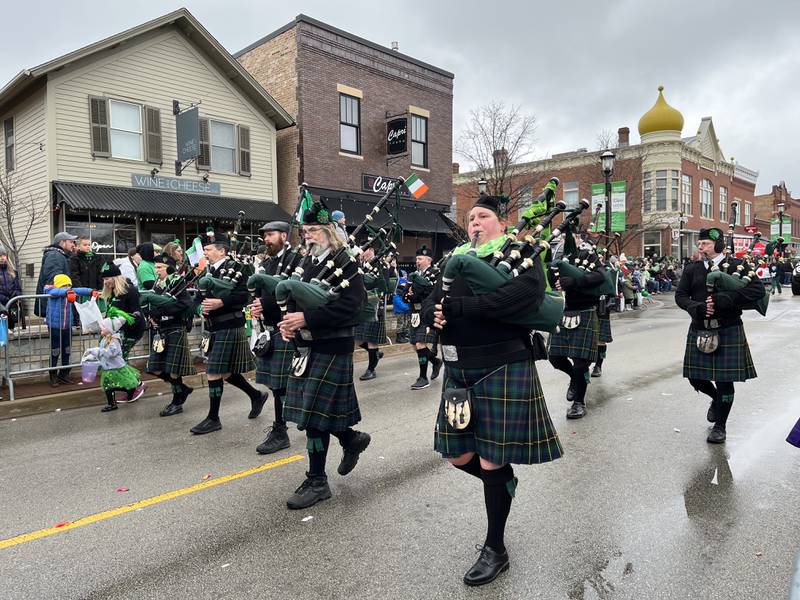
(766, 206)
(302, 64)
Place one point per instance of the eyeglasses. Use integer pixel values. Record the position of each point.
(311, 230)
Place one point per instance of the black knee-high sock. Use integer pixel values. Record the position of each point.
(579, 379)
(498, 490)
(344, 437)
(317, 445)
(373, 358)
(473, 467)
(422, 358)
(214, 398)
(562, 363)
(706, 387)
(240, 382)
(177, 389)
(723, 403)
(601, 354)
(277, 401)
(110, 398)
(364, 345)
(164, 376)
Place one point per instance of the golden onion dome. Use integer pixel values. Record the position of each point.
(662, 117)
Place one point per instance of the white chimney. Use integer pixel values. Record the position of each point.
(396, 46)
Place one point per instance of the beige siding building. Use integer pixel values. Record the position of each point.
(91, 142)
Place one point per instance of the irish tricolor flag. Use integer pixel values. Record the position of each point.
(416, 186)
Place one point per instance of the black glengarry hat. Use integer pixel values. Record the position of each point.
(317, 214)
(424, 251)
(110, 270)
(492, 203)
(712, 233)
(216, 237)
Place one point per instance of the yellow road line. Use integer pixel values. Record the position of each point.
(114, 512)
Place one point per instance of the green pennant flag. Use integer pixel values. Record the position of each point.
(305, 204)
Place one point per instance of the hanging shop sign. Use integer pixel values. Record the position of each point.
(174, 184)
(397, 136)
(379, 184)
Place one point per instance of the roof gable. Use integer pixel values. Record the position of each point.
(706, 141)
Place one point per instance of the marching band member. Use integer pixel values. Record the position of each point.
(229, 353)
(604, 324)
(717, 353)
(373, 333)
(272, 370)
(489, 357)
(320, 397)
(420, 335)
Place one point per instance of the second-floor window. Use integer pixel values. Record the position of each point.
(747, 214)
(8, 143)
(419, 141)
(686, 194)
(571, 194)
(723, 204)
(223, 146)
(126, 130)
(706, 199)
(661, 190)
(675, 187)
(349, 124)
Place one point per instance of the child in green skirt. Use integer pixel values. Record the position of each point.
(116, 374)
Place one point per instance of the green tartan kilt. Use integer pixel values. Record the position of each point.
(605, 329)
(422, 334)
(273, 371)
(731, 361)
(510, 422)
(325, 397)
(176, 359)
(580, 342)
(124, 378)
(230, 353)
(374, 333)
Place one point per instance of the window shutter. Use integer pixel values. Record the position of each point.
(152, 128)
(98, 119)
(244, 150)
(204, 160)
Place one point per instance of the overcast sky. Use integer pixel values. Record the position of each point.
(579, 66)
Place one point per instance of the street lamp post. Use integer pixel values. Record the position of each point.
(607, 161)
(781, 208)
(482, 185)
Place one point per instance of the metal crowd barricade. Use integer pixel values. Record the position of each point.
(27, 351)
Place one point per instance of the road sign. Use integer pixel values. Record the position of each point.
(751, 228)
(676, 234)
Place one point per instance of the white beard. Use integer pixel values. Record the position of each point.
(316, 249)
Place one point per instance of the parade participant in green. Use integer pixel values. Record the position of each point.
(420, 335)
(717, 353)
(492, 412)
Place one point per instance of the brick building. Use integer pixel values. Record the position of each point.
(656, 184)
(342, 91)
(767, 207)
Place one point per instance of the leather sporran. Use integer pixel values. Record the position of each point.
(415, 320)
(158, 344)
(458, 407)
(707, 340)
(263, 345)
(300, 361)
(538, 346)
(571, 321)
(205, 343)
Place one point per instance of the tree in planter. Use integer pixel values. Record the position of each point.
(497, 140)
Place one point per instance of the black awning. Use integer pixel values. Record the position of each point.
(83, 196)
(416, 216)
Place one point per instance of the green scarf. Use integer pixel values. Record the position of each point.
(484, 249)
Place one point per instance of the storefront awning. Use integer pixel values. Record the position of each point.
(134, 201)
(414, 216)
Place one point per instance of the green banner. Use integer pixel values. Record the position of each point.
(775, 228)
(618, 205)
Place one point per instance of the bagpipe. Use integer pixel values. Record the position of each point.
(338, 271)
(584, 262)
(511, 261)
(232, 272)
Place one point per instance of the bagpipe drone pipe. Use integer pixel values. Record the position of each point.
(585, 262)
(482, 277)
(718, 280)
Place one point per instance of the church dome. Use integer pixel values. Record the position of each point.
(662, 117)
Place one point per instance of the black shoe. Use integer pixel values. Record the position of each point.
(171, 409)
(711, 416)
(717, 435)
(109, 407)
(277, 439)
(576, 411)
(53, 378)
(597, 371)
(488, 566)
(257, 405)
(420, 384)
(351, 453)
(206, 426)
(312, 490)
(401, 340)
(437, 367)
(570, 393)
(63, 377)
(368, 374)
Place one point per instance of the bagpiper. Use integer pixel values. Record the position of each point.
(320, 396)
(272, 366)
(604, 318)
(372, 334)
(717, 353)
(492, 411)
(227, 350)
(420, 334)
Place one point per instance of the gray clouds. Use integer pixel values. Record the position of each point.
(576, 65)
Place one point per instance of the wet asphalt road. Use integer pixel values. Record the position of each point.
(639, 507)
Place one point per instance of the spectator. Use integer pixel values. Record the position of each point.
(59, 321)
(261, 255)
(174, 251)
(9, 286)
(128, 265)
(146, 272)
(55, 261)
(121, 299)
(340, 225)
(85, 265)
(400, 309)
